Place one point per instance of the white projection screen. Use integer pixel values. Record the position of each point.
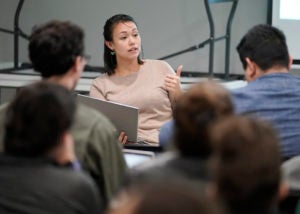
(286, 16)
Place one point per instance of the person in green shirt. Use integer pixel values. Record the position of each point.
(56, 51)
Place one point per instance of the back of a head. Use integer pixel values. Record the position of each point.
(266, 46)
(246, 164)
(37, 118)
(54, 46)
(174, 196)
(195, 111)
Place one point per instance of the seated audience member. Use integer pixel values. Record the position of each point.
(245, 164)
(39, 172)
(272, 93)
(56, 50)
(175, 196)
(194, 114)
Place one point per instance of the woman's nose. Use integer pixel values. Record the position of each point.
(131, 40)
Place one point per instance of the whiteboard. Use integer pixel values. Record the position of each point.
(286, 16)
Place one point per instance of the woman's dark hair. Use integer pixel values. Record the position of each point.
(110, 61)
(37, 118)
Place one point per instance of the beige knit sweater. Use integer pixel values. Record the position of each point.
(144, 90)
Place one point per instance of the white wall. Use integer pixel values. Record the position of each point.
(166, 26)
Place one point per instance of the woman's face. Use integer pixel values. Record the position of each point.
(126, 41)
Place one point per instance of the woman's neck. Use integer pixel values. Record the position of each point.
(125, 68)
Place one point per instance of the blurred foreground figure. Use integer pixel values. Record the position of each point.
(56, 51)
(175, 196)
(246, 172)
(39, 171)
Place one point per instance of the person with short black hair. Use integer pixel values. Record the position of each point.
(272, 93)
(39, 170)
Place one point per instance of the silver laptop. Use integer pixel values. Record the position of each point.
(135, 157)
(124, 117)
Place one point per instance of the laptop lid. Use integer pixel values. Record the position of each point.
(124, 117)
(136, 157)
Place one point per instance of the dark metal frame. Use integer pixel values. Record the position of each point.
(17, 32)
(212, 38)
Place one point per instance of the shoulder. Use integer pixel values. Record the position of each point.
(76, 179)
(82, 180)
(158, 65)
(237, 92)
(101, 78)
(156, 62)
(242, 98)
(82, 185)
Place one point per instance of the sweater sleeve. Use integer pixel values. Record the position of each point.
(96, 90)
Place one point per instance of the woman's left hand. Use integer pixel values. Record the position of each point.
(122, 138)
(172, 83)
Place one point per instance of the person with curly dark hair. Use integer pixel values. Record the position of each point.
(56, 50)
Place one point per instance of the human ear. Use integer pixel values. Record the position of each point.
(290, 62)
(67, 138)
(79, 64)
(250, 64)
(251, 69)
(109, 45)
